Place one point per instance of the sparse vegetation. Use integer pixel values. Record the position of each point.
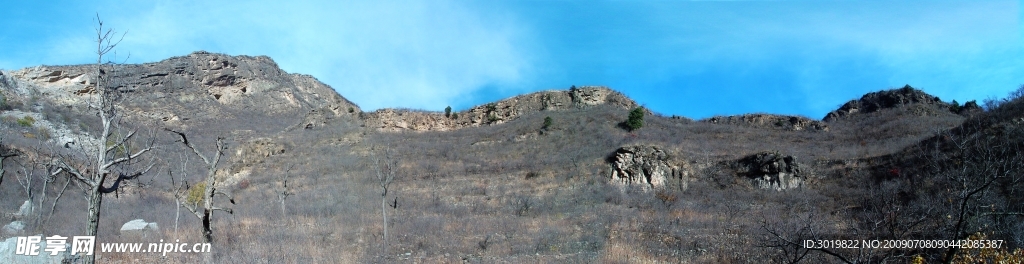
(195, 194)
(26, 121)
(547, 123)
(44, 133)
(491, 118)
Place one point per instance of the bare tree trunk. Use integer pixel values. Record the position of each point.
(384, 213)
(207, 229)
(39, 209)
(95, 200)
(56, 199)
(114, 157)
(284, 211)
(205, 212)
(177, 215)
(385, 171)
(2, 158)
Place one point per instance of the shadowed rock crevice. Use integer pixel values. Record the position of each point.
(771, 170)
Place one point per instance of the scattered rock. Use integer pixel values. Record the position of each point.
(771, 170)
(139, 227)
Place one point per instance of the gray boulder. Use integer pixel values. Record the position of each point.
(25, 209)
(139, 227)
(8, 248)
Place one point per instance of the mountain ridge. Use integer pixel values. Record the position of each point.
(239, 81)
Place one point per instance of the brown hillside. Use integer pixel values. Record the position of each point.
(497, 185)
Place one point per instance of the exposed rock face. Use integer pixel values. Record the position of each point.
(497, 112)
(771, 170)
(876, 101)
(403, 119)
(257, 150)
(197, 90)
(246, 157)
(646, 166)
(8, 248)
(139, 227)
(782, 122)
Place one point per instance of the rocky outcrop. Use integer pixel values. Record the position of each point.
(247, 156)
(969, 108)
(646, 166)
(781, 122)
(406, 120)
(771, 170)
(497, 112)
(873, 102)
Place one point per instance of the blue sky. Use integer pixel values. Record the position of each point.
(689, 58)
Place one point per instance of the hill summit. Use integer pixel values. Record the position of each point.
(876, 101)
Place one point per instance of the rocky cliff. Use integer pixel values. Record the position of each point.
(497, 112)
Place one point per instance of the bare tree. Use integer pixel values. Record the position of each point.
(208, 188)
(982, 174)
(787, 238)
(114, 159)
(4, 156)
(384, 167)
(285, 191)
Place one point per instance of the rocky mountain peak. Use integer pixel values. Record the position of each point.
(197, 89)
(876, 101)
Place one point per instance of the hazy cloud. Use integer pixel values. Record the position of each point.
(793, 57)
